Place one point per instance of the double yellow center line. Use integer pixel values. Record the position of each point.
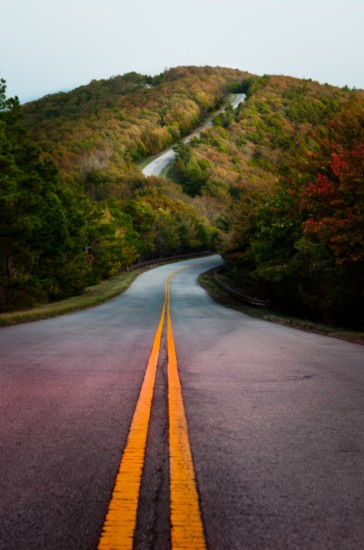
(186, 524)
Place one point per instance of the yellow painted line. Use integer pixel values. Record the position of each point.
(186, 523)
(119, 526)
(187, 529)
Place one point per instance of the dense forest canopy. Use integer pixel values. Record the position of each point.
(287, 172)
(75, 207)
(276, 185)
(108, 125)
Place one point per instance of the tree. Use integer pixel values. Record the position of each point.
(304, 245)
(37, 243)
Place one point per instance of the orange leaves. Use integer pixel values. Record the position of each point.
(133, 115)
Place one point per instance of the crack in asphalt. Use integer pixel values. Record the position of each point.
(153, 524)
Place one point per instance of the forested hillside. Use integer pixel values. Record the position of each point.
(286, 173)
(75, 207)
(276, 185)
(97, 132)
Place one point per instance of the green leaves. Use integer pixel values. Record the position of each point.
(304, 245)
(34, 219)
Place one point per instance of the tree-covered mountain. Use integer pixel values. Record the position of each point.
(276, 185)
(75, 206)
(286, 173)
(96, 133)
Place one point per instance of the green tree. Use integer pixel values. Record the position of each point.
(37, 241)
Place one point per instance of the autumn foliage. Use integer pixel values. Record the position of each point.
(304, 245)
(276, 185)
(74, 204)
(334, 201)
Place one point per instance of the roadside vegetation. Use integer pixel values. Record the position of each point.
(276, 186)
(92, 296)
(284, 175)
(266, 314)
(74, 206)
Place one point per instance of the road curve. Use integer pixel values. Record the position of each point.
(157, 166)
(274, 418)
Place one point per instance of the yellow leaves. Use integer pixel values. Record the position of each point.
(185, 115)
(77, 128)
(204, 100)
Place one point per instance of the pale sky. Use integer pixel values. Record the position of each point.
(52, 45)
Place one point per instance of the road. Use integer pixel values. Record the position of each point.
(275, 424)
(159, 164)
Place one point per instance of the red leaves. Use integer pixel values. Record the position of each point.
(322, 188)
(348, 164)
(332, 204)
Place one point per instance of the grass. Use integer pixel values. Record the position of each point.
(98, 294)
(220, 296)
(93, 295)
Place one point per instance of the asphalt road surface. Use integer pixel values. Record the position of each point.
(157, 166)
(275, 419)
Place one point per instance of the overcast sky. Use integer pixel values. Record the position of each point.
(52, 45)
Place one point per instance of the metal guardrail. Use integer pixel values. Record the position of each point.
(157, 261)
(243, 297)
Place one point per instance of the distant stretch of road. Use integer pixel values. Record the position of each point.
(158, 165)
(161, 415)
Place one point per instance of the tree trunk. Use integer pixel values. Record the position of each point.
(9, 277)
